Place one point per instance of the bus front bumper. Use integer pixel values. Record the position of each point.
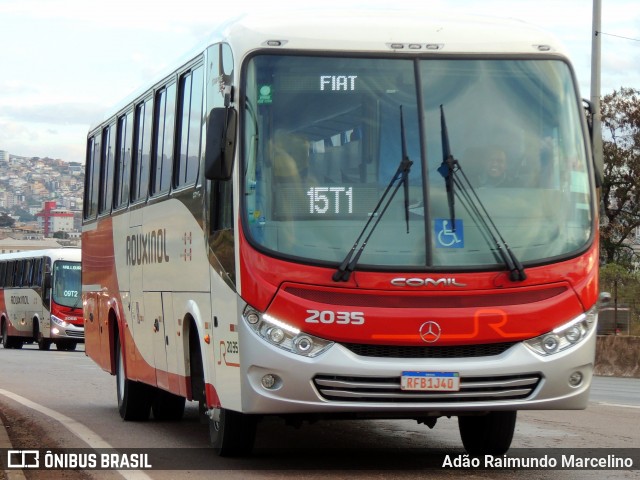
(339, 381)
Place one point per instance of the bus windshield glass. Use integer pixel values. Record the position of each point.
(67, 283)
(323, 139)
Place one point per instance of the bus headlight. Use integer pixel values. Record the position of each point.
(59, 321)
(564, 336)
(283, 335)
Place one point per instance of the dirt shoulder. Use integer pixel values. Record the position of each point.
(25, 434)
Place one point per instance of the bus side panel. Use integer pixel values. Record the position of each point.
(153, 302)
(3, 309)
(19, 311)
(100, 287)
(186, 306)
(92, 332)
(224, 351)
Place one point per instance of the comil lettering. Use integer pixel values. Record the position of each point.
(151, 247)
(426, 282)
(19, 300)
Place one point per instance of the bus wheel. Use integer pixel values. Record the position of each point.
(134, 398)
(43, 343)
(6, 341)
(489, 434)
(233, 433)
(167, 406)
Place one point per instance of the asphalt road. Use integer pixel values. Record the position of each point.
(63, 400)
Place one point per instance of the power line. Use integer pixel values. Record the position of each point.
(619, 36)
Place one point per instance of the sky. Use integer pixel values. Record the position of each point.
(63, 63)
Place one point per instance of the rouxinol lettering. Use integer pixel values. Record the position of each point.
(151, 247)
(19, 300)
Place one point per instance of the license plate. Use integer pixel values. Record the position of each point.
(430, 381)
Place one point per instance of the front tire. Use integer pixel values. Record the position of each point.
(134, 398)
(489, 434)
(43, 343)
(233, 434)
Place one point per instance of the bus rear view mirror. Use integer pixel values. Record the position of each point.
(220, 149)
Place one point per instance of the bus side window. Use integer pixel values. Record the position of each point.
(46, 287)
(163, 140)
(9, 274)
(3, 271)
(123, 159)
(92, 177)
(106, 175)
(190, 127)
(19, 272)
(37, 273)
(142, 150)
(28, 273)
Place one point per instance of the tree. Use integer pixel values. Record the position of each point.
(6, 221)
(621, 183)
(624, 287)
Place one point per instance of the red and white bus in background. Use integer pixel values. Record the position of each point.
(378, 215)
(40, 298)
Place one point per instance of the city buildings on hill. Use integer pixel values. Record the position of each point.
(43, 196)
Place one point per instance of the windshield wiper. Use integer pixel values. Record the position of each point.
(402, 177)
(449, 169)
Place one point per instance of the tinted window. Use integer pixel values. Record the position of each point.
(108, 163)
(190, 117)
(165, 123)
(123, 161)
(92, 177)
(142, 151)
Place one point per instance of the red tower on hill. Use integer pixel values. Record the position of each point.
(52, 217)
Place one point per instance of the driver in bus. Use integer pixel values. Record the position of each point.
(290, 154)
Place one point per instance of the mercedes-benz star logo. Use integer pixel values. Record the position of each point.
(430, 332)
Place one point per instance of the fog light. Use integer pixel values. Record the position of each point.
(55, 331)
(276, 335)
(253, 318)
(575, 379)
(269, 381)
(550, 343)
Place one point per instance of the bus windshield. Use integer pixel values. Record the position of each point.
(67, 283)
(322, 140)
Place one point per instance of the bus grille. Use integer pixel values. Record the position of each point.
(455, 351)
(74, 333)
(387, 389)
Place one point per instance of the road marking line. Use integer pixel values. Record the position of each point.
(617, 405)
(78, 429)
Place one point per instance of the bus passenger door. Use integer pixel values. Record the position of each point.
(171, 342)
(139, 352)
(156, 322)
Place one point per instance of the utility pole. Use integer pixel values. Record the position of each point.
(595, 85)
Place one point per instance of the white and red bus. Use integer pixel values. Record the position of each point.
(377, 215)
(40, 298)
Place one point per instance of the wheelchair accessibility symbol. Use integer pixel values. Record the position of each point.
(446, 236)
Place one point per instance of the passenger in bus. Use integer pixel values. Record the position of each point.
(494, 170)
